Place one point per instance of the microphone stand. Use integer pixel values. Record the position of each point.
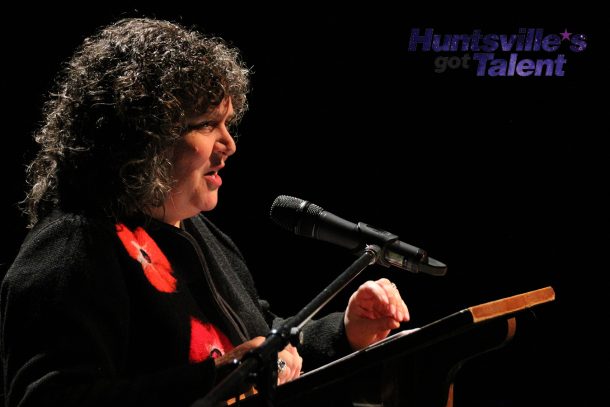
(260, 363)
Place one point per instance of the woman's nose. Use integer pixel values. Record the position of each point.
(226, 142)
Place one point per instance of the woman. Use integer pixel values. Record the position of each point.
(123, 293)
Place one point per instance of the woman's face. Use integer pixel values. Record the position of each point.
(198, 157)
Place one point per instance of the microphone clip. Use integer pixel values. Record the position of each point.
(387, 238)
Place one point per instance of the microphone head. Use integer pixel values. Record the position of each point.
(288, 212)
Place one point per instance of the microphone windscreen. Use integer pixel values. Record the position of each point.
(288, 211)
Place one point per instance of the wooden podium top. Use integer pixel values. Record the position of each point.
(508, 305)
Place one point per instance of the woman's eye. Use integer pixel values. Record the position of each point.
(202, 126)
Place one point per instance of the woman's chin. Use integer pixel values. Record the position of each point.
(209, 203)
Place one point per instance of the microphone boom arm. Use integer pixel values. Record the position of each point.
(260, 362)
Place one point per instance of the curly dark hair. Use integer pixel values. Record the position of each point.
(120, 105)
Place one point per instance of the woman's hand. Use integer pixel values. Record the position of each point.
(290, 356)
(293, 361)
(372, 312)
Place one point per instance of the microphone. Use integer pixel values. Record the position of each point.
(306, 219)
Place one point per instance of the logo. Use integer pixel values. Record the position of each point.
(491, 54)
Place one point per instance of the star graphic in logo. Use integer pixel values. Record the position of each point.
(565, 35)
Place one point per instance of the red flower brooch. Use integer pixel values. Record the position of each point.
(207, 341)
(143, 248)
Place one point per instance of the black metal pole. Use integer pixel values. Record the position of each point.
(266, 353)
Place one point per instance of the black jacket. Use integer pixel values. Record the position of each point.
(81, 324)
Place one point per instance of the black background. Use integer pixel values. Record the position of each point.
(500, 178)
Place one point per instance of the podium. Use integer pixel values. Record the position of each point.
(411, 368)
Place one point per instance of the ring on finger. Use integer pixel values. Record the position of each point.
(281, 365)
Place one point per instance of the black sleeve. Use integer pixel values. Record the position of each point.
(64, 313)
(324, 339)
